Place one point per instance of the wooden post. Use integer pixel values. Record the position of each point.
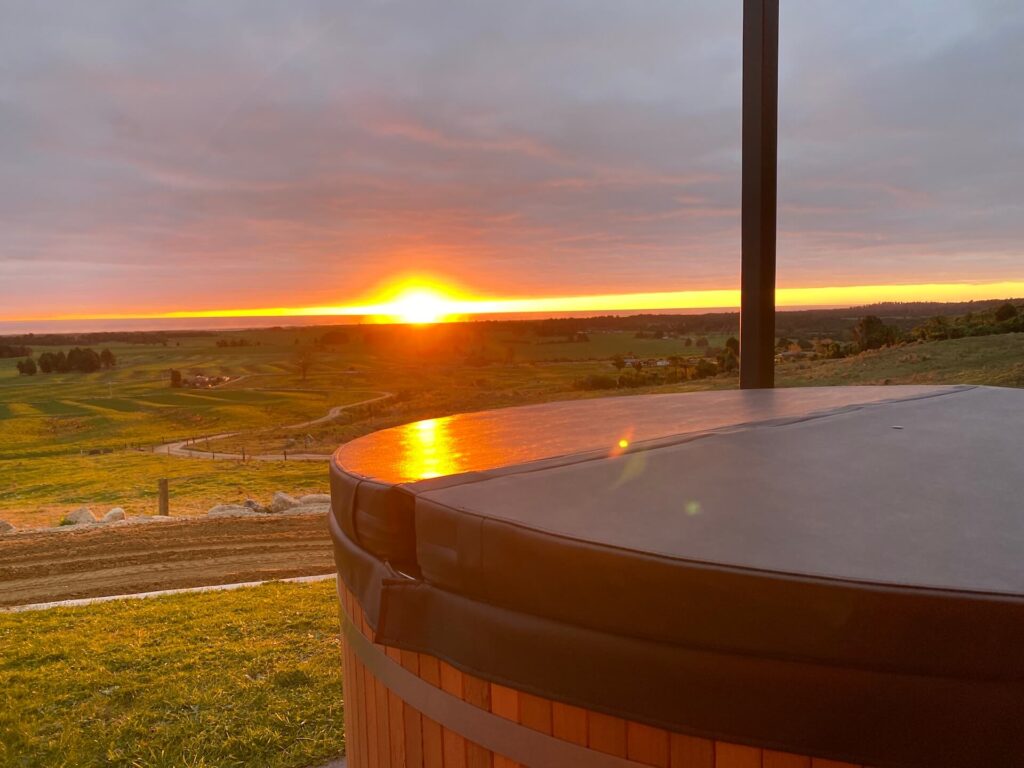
(165, 499)
(760, 161)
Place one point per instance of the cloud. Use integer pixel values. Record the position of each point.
(248, 152)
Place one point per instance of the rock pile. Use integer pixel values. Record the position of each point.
(80, 515)
(281, 504)
(5, 527)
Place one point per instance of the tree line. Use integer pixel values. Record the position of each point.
(76, 360)
(14, 350)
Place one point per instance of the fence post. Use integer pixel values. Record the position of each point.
(165, 501)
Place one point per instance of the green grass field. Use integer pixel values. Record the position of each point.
(63, 437)
(250, 677)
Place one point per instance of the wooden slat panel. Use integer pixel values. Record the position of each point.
(772, 759)
(370, 709)
(451, 679)
(430, 669)
(647, 745)
(454, 748)
(535, 712)
(818, 762)
(364, 713)
(351, 709)
(569, 723)
(606, 734)
(691, 752)
(383, 723)
(505, 702)
(478, 693)
(454, 744)
(433, 745)
(412, 719)
(433, 748)
(396, 730)
(736, 756)
(413, 725)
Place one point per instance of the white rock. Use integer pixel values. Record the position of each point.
(80, 515)
(308, 509)
(315, 498)
(282, 501)
(230, 510)
(5, 527)
(115, 514)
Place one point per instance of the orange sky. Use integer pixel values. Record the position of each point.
(428, 299)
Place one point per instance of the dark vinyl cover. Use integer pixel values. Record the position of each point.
(861, 559)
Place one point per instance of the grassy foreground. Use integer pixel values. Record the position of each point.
(237, 678)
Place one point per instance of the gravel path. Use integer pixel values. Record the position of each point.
(180, 448)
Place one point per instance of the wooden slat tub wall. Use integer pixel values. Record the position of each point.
(383, 731)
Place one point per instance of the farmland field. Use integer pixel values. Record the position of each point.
(72, 439)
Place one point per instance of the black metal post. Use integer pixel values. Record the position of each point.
(760, 159)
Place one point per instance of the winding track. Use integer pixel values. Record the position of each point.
(179, 447)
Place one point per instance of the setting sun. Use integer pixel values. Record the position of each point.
(419, 305)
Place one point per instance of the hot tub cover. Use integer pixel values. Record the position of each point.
(835, 571)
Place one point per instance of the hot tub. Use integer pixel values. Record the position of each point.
(795, 577)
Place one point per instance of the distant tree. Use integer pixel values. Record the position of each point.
(702, 341)
(935, 329)
(871, 333)
(783, 344)
(618, 362)
(175, 378)
(687, 342)
(1006, 312)
(107, 359)
(14, 350)
(304, 361)
(82, 360)
(705, 368)
(27, 367)
(729, 360)
(47, 362)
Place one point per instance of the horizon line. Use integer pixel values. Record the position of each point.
(458, 308)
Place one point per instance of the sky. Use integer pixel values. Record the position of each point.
(175, 157)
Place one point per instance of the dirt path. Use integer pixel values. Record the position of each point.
(179, 448)
(42, 566)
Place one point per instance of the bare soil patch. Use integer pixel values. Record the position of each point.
(46, 565)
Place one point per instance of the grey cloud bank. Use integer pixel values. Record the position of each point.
(204, 154)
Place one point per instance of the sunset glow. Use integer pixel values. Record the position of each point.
(431, 300)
